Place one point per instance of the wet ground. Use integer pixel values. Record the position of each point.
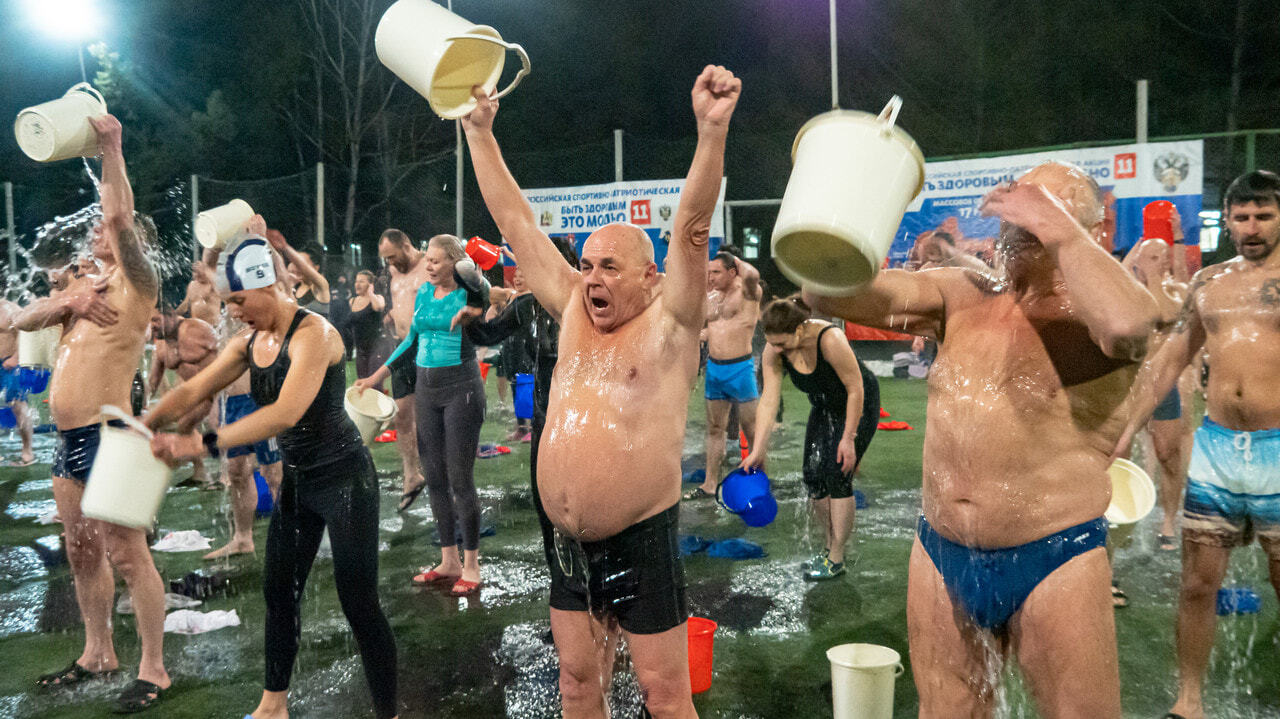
(490, 656)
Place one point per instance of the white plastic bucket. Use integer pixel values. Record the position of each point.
(39, 348)
(60, 129)
(441, 56)
(127, 483)
(215, 227)
(862, 677)
(1133, 494)
(853, 176)
(371, 411)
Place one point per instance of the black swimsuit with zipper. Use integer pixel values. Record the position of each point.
(329, 482)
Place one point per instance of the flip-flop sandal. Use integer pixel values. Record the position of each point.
(1119, 600)
(21, 462)
(698, 493)
(140, 694)
(463, 588)
(407, 498)
(1171, 715)
(1167, 542)
(72, 675)
(432, 577)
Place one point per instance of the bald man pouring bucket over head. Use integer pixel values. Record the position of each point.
(1026, 402)
(619, 397)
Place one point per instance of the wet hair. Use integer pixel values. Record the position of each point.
(783, 316)
(396, 237)
(1260, 187)
(367, 275)
(727, 259)
(452, 246)
(945, 237)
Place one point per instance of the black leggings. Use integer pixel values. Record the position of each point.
(449, 404)
(343, 497)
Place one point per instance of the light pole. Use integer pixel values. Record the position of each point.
(835, 93)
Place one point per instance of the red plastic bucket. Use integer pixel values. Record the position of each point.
(702, 637)
(1157, 221)
(484, 371)
(483, 253)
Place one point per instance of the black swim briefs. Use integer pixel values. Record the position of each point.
(76, 450)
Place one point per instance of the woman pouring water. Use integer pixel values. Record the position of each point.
(296, 365)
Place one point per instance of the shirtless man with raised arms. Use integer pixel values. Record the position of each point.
(733, 308)
(1233, 311)
(609, 459)
(95, 367)
(1026, 401)
(407, 266)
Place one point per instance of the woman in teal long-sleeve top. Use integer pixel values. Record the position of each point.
(449, 405)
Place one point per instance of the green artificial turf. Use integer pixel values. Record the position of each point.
(487, 656)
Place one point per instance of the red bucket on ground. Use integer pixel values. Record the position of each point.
(702, 637)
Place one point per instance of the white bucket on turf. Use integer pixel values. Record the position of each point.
(441, 56)
(1133, 494)
(853, 176)
(862, 677)
(127, 483)
(215, 227)
(39, 348)
(60, 129)
(372, 411)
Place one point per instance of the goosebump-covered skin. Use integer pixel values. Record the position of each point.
(454, 662)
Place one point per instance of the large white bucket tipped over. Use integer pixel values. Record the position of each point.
(39, 348)
(1133, 494)
(371, 411)
(60, 129)
(862, 678)
(127, 483)
(852, 177)
(441, 56)
(214, 228)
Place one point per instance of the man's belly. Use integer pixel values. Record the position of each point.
(728, 341)
(88, 373)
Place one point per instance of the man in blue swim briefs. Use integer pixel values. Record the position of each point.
(733, 308)
(14, 389)
(1026, 402)
(1233, 484)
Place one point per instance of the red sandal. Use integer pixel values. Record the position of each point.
(464, 588)
(431, 576)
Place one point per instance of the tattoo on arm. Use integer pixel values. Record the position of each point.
(1188, 311)
(1271, 292)
(133, 260)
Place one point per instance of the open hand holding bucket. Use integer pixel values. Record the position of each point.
(371, 410)
(127, 483)
(853, 176)
(441, 55)
(215, 227)
(746, 493)
(60, 129)
(862, 680)
(1133, 494)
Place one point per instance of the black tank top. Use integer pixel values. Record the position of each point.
(823, 384)
(324, 434)
(364, 326)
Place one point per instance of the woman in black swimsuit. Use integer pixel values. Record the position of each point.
(296, 364)
(846, 409)
(366, 323)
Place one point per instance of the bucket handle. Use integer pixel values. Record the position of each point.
(889, 115)
(114, 412)
(897, 669)
(720, 500)
(86, 87)
(524, 58)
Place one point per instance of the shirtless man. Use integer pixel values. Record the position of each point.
(733, 308)
(1151, 262)
(1026, 402)
(202, 301)
(15, 391)
(619, 399)
(95, 367)
(1233, 311)
(408, 268)
(185, 346)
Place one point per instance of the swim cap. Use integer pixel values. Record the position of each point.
(245, 266)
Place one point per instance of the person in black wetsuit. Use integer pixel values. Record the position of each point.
(365, 321)
(296, 366)
(846, 409)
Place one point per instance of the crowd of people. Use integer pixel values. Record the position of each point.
(1050, 359)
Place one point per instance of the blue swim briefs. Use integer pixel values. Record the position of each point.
(733, 380)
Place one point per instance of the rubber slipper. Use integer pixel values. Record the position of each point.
(432, 577)
(21, 462)
(407, 498)
(1119, 599)
(698, 493)
(463, 588)
(72, 675)
(139, 695)
(1167, 542)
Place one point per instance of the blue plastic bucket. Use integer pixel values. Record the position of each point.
(524, 395)
(34, 379)
(747, 494)
(265, 505)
